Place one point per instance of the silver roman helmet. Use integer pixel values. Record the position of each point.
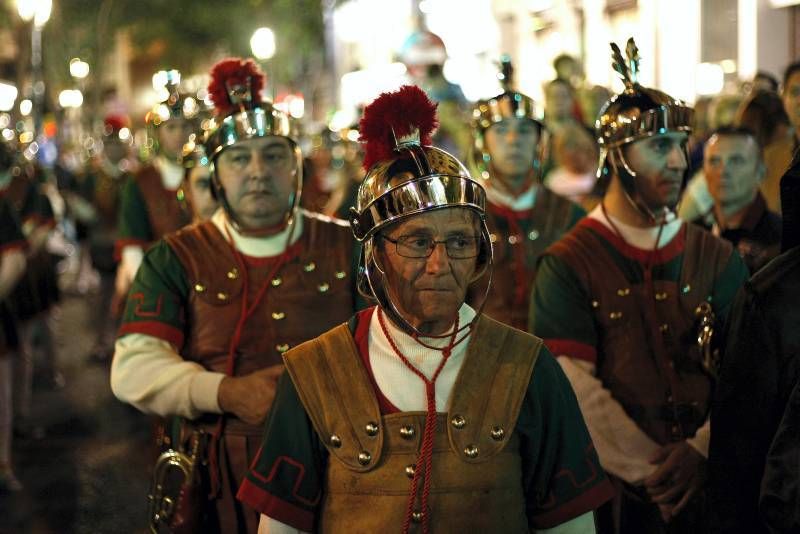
(636, 113)
(406, 176)
(173, 104)
(508, 104)
(241, 114)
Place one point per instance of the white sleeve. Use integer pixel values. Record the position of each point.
(623, 448)
(701, 439)
(130, 259)
(148, 373)
(583, 524)
(267, 525)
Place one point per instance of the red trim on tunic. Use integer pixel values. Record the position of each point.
(361, 337)
(20, 244)
(572, 348)
(120, 244)
(157, 329)
(274, 507)
(666, 253)
(585, 502)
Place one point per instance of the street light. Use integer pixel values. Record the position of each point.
(78, 68)
(39, 11)
(262, 43)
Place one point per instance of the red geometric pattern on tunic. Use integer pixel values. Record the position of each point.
(139, 312)
(275, 507)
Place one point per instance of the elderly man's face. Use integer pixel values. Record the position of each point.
(429, 291)
(258, 176)
(732, 168)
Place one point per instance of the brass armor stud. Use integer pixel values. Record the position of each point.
(416, 517)
(371, 428)
(407, 431)
(661, 296)
(498, 433)
(410, 469)
(277, 281)
(278, 315)
(471, 451)
(199, 287)
(233, 274)
(323, 287)
(513, 239)
(615, 315)
(335, 441)
(624, 292)
(339, 275)
(283, 347)
(533, 235)
(222, 296)
(310, 266)
(458, 421)
(664, 328)
(364, 458)
(595, 304)
(686, 288)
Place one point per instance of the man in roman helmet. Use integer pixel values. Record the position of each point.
(523, 216)
(149, 207)
(627, 301)
(215, 305)
(422, 412)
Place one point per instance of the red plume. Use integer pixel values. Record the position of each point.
(403, 111)
(229, 73)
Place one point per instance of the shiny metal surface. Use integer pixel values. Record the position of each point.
(421, 179)
(641, 113)
(261, 121)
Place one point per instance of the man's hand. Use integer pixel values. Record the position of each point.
(249, 397)
(679, 476)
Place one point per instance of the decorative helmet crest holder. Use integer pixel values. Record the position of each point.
(636, 113)
(240, 115)
(406, 176)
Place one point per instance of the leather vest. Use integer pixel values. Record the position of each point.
(164, 212)
(309, 294)
(647, 353)
(517, 242)
(476, 464)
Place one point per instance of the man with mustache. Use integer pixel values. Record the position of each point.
(422, 414)
(215, 305)
(622, 301)
(524, 217)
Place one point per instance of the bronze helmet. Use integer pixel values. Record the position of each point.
(636, 113)
(508, 104)
(406, 176)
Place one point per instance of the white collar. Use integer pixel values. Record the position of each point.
(259, 247)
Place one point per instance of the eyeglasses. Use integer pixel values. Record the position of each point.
(413, 246)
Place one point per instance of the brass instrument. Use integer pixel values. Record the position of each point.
(705, 336)
(174, 475)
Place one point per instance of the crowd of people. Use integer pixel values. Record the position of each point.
(605, 341)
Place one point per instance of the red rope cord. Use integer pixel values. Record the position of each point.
(245, 313)
(425, 456)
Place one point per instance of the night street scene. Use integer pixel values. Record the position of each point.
(224, 307)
